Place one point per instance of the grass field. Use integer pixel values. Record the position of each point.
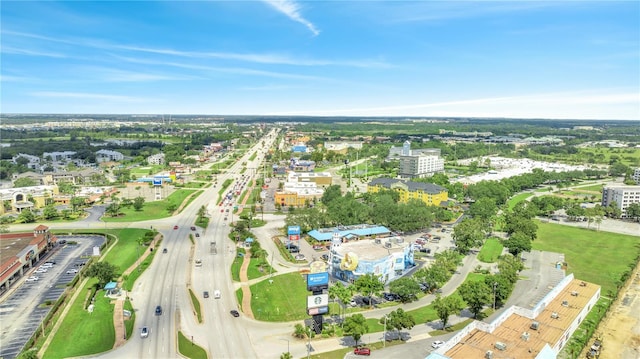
(592, 188)
(597, 257)
(254, 271)
(517, 199)
(90, 333)
(490, 251)
(125, 252)
(282, 300)
(152, 210)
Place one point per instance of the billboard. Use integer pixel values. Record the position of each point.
(157, 181)
(317, 311)
(294, 237)
(317, 300)
(291, 230)
(317, 281)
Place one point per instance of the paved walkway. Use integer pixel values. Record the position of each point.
(246, 291)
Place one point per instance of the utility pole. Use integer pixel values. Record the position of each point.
(384, 335)
(494, 295)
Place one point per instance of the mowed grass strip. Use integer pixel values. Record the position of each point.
(517, 199)
(189, 349)
(597, 257)
(490, 251)
(82, 333)
(283, 300)
(153, 209)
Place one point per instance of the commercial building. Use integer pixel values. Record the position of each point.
(430, 194)
(358, 231)
(538, 333)
(20, 252)
(389, 258)
(622, 196)
(84, 176)
(299, 190)
(423, 165)
(321, 179)
(342, 147)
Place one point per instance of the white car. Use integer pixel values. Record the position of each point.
(33, 278)
(217, 294)
(144, 332)
(437, 344)
(41, 270)
(72, 271)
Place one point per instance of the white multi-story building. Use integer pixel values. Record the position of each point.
(622, 196)
(157, 159)
(59, 156)
(636, 175)
(108, 156)
(422, 165)
(34, 161)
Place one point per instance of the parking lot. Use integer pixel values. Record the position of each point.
(23, 310)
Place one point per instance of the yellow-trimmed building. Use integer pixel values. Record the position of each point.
(429, 193)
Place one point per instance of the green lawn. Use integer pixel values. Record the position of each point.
(90, 333)
(254, 271)
(283, 300)
(597, 257)
(127, 250)
(152, 210)
(594, 188)
(196, 305)
(517, 199)
(490, 251)
(235, 266)
(190, 350)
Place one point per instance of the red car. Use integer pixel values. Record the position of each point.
(175, 227)
(362, 351)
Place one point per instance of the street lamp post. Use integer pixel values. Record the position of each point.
(288, 351)
(384, 335)
(494, 295)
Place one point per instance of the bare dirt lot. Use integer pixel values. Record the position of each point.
(621, 328)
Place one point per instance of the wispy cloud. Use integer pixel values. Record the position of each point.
(499, 105)
(27, 52)
(117, 75)
(291, 9)
(88, 96)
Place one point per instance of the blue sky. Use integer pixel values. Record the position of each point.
(573, 59)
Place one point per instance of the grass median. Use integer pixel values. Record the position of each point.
(189, 349)
(491, 250)
(154, 209)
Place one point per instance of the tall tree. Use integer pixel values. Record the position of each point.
(476, 294)
(469, 233)
(406, 288)
(138, 203)
(103, 271)
(26, 216)
(355, 326)
(447, 306)
(517, 243)
(398, 320)
(369, 284)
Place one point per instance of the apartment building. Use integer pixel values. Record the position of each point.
(430, 194)
(108, 156)
(622, 196)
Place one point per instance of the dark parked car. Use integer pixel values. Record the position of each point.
(158, 310)
(235, 313)
(205, 294)
(362, 351)
(164, 250)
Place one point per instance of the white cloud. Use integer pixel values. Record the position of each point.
(27, 52)
(292, 10)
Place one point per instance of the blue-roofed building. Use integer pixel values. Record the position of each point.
(299, 148)
(360, 231)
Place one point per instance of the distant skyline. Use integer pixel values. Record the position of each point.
(517, 59)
